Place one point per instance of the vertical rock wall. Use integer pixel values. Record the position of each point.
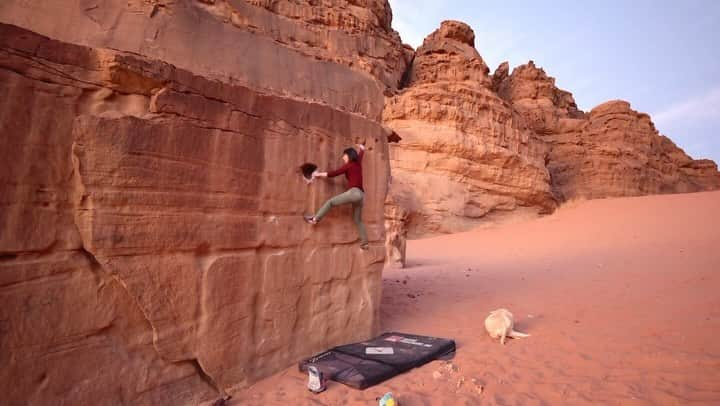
(465, 154)
(152, 248)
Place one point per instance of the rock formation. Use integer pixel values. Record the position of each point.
(464, 153)
(152, 249)
(476, 148)
(611, 151)
(535, 96)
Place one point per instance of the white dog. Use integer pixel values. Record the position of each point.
(499, 324)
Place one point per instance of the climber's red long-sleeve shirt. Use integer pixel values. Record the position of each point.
(352, 171)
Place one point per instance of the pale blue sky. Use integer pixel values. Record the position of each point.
(663, 56)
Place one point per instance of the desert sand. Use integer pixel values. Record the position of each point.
(620, 297)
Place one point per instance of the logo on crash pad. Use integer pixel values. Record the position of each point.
(406, 340)
(379, 351)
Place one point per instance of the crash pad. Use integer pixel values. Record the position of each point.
(367, 363)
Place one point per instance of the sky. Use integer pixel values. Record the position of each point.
(663, 56)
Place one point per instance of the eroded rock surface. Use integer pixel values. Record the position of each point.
(611, 151)
(300, 49)
(479, 148)
(464, 153)
(152, 247)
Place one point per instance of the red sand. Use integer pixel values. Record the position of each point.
(621, 297)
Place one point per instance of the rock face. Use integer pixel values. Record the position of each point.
(299, 49)
(611, 151)
(464, 153)
(533, 93)
(152, 249)
(354, 33)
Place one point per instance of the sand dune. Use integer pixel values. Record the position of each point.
(621, 296)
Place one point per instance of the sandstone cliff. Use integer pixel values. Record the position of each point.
(610, 151)
(152, 248)
(477, 148)
(464, 153)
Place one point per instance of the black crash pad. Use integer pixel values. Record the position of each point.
(370, 362)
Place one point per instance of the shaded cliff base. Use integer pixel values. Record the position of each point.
(620, 296)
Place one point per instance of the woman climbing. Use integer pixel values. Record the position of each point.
(354, 195)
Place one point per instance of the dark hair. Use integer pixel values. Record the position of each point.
(351, 153)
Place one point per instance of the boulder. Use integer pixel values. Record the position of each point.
(152, 248)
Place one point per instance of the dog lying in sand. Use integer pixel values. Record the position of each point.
(499, 324)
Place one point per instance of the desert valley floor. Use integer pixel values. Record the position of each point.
(620, 297)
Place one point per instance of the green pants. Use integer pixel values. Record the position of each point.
(354, 196)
